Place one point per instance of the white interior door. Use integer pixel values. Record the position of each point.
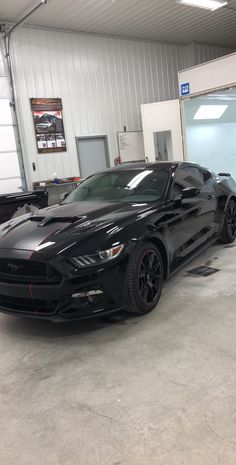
(162, 119)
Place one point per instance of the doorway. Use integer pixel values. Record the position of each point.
(163, 145)
(209, 130)
(164, 118)
(93, 154)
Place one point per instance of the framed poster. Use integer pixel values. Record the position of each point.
(48, 124)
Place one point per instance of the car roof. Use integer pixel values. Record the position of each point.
(173, 165)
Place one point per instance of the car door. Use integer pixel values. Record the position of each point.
(193, 222)
(209, 194)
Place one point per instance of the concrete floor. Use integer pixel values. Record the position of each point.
(157, 390)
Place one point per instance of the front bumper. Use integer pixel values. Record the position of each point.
(90, 293)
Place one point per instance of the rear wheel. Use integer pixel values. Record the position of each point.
(145, 276)
(228, 233)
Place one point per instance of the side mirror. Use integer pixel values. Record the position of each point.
(190, 192)
(63, 196)
(224, 174)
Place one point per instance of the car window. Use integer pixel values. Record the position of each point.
(123, 186)
(177, 190)
(206, 175)
(189, 176)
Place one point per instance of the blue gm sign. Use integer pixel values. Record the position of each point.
(185, 89)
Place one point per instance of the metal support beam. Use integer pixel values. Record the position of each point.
(22, 20)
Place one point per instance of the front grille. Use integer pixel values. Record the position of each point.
(28, 306)
(27, 272)
(85, 280)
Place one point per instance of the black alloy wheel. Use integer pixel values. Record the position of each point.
(231, 219)
(149, 276)
(228, 233)
(145, 278)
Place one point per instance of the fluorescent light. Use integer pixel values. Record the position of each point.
(210, 111)
(207, 4)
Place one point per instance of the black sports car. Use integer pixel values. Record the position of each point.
(18, 203)
(113, 241)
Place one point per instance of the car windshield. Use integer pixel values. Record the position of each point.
(139, 186)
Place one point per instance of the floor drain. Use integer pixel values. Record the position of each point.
(203, 271)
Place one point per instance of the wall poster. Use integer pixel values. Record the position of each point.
(48, 123)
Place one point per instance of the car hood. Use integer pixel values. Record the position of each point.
(66, 227)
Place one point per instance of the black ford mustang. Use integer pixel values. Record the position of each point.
(113, 241)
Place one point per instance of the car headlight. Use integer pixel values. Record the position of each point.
(98, 258)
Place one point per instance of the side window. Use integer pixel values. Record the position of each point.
(189, 176)
(206, 175)
(155, 181)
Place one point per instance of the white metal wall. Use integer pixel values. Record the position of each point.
(102, 83)
(206, 52)
(209, 76)
(195, 54)
(213, 146)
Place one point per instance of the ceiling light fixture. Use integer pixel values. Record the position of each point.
(206, 4)
(210, 112)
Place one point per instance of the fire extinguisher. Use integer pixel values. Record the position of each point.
(117, 161)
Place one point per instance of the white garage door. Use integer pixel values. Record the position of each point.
(10, 179)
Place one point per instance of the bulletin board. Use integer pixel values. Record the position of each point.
(131, 146)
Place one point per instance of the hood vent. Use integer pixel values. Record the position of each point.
(44, 221)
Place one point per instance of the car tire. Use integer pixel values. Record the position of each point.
(145, 276)
(23, 210)
(228, 233)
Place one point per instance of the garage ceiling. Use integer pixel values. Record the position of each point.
(158, 20)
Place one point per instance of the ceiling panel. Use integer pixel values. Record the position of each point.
(158, 20)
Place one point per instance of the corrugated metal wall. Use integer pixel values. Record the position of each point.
(195, 53)
(102, 83)
(206, 52)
